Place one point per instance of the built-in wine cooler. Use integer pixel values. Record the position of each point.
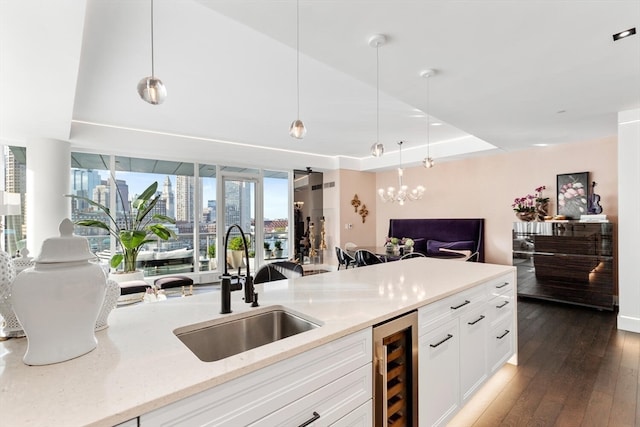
(396, 372)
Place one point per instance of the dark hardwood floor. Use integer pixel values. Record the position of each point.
(574, 369)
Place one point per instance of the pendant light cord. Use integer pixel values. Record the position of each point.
(153, 73)
(428, 110)
(298, 55)
(378, 92)
(400, 170)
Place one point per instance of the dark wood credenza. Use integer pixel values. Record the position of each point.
(570, 262)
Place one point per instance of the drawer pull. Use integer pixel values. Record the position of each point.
(449, 336)
(506, 331)
(503, 285)
(476, 321)
(310, 420)
(502, 305)
(461, 305)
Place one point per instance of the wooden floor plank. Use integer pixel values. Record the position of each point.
(575, 369)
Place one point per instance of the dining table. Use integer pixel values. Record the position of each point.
(387, 256)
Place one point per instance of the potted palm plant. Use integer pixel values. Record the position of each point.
(278, 248)
(134, 230)
(267, 250)
(236, 251)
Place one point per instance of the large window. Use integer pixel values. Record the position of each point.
(13, 200)
(276, 216)
(196, 197)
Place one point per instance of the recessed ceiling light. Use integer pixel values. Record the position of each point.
(540, 145)
(436, 124)
(419, 116)
(623, 34)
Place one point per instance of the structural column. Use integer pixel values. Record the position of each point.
(48, 169)
(629, 220)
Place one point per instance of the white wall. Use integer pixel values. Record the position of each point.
(629, 215)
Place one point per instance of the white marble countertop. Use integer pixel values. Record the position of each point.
(140, 365)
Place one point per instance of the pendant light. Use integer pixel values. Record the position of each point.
(151, 88)
(377, 149)
(403, 193)
(428, 161)
(297, 129)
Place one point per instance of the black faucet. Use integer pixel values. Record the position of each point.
(225, 289)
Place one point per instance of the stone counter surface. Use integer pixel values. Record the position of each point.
(140, 365)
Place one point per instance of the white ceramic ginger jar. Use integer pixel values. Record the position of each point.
(58, 300)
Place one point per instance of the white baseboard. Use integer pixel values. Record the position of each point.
(631, 324)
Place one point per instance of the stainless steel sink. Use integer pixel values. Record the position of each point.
(212, 341)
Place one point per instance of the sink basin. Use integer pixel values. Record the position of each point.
(212, 341)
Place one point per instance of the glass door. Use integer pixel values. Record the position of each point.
(238, 207)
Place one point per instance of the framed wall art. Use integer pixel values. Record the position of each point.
(573, 194)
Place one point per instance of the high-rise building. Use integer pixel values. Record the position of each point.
(83, 182)
(169, 198)
(238, 204)
(122, 196)
(100, 195)
(15, 181)
(184, 198)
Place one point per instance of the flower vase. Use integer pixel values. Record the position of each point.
(542, 210)
(526, 216)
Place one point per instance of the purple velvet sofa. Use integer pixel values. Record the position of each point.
(432, 234)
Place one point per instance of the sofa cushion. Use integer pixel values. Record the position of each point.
(434, 246)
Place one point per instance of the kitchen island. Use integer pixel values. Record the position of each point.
(140, 365)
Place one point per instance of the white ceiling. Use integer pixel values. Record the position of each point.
(511, 74)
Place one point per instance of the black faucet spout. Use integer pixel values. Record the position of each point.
(246, 281)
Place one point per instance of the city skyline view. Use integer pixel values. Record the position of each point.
(275, 190)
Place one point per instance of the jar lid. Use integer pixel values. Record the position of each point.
(66, 248)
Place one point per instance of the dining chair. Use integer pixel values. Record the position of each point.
(413, 255)
(350, 246)
(365, 257)
(278, 270)
(344, 259)
(267, 273)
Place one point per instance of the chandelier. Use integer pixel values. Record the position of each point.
(403, 193)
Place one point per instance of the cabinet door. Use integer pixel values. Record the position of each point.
(439, 374)
(327, 404)
(501, 344)
(359, 417)
(249, 398)
(473, 351)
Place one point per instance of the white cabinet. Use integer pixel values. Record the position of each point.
(473, 351)
(462, 340)
(439, 374)
(503, 319)
(331, 381)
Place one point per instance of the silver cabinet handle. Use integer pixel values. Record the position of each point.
(461, 305)
(506, 331)
(476, 321)
(449, 336)
(310, 420)
(503, 285)
(502, 305)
